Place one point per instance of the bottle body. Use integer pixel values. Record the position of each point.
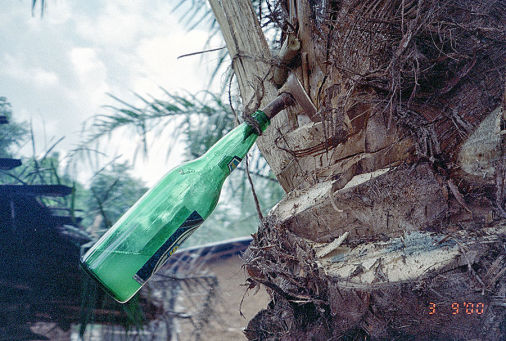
(140, 242)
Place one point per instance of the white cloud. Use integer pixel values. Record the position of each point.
(15, 68)
(158, 64)
(85, 60)
(91, 73)
(143, 42)
(118, 24)
(45, 78)
(58, 12)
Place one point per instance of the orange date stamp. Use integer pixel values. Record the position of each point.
(455, 308)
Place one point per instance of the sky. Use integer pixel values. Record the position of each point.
(56, 70)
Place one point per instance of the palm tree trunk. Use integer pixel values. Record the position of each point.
(393, 224)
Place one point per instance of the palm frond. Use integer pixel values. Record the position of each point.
(203, 119)
(12, 134)
(197, 13)
(42, 7)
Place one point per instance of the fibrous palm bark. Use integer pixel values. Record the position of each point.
(394, 220)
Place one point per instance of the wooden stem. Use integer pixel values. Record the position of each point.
(279, 103)
(288, 52)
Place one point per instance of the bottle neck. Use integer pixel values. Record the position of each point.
(260, 119)
(228, 152)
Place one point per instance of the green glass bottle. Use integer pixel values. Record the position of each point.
(150, 231)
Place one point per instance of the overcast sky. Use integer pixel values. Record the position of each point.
(56, 70)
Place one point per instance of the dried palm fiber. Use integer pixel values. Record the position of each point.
(427, 61)
(309, 302)
(434, 68)
(430, 73)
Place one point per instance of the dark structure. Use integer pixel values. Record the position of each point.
(8, 164)
(40, 278)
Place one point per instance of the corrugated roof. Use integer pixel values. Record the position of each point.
(211, 252)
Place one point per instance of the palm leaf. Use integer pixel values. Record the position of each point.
(195, 112)
(42, 6)
(197, 13)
